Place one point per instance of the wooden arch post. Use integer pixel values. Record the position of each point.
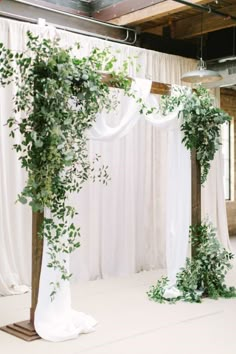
(25, 329)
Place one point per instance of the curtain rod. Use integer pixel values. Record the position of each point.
(76, 16)
(127, 30)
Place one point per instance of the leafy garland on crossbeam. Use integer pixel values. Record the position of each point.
(204, 275)
(56, 101)
(202, 122)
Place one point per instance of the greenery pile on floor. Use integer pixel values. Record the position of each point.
(204, 274)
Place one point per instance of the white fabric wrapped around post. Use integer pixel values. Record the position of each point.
(55, 320)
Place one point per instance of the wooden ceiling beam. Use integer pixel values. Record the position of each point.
(107, 10)
(192, 27)
(153, 12)
(196, 25)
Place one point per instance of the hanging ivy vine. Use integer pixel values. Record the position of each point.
(204, 275)
(56, 101)
(202, 122)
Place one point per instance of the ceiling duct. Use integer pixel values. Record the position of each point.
(226, 69)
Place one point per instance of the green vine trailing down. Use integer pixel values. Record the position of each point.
(202, 122)
(204, 275)
(56, 101)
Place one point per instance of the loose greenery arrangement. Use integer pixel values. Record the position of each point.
(201, 122)
(203, 275)
(56, 101)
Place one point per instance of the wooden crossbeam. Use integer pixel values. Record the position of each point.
(157, 88)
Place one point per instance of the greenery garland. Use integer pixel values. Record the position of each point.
(56, 101)
(201, 124)
(204, 275)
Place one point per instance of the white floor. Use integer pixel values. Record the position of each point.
(131, 324)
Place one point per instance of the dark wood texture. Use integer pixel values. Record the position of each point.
(23, 330)
(196, 188)
(156, 14)
(37, 252)
(160, 88)
(196, 192)
(157, 88)
(107, 10)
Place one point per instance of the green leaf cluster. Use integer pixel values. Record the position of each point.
(56, 101)
(204, 274)
(201, 123)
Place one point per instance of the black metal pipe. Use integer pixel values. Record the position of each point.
(207, 8)
(28, 11)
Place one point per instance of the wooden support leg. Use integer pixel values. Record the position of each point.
(37, 253)
(196, 190)
(25, 329)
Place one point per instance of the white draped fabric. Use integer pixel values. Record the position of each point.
(55, 320)
(124, 225)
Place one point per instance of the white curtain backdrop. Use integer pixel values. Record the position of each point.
(123, 225)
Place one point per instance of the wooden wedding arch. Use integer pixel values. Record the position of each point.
(25, 329)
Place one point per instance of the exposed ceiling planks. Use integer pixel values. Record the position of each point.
(163, 25)
(192, 26)
(153, 12)
(106, 10)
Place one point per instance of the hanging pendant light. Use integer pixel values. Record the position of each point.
(201, 74)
